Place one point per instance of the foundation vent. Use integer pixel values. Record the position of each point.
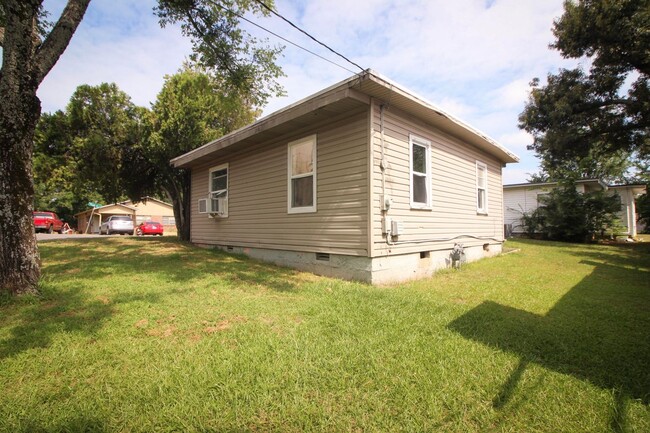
(324, 257)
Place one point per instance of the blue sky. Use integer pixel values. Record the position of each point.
(472, 58)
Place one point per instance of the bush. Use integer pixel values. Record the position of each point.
(567, 215)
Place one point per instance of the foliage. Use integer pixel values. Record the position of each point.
(78, 152)
(567, 215)
(532, 222)
(192, 109)
(104, 123)
(643, 210)
(145, 335)
(592, 124)
(31, 46)
(222, 46)
(539, 177)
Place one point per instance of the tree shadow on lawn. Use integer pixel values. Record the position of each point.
(175, 260)
(598, 332)
(72, 303)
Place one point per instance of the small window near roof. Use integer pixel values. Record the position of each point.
(302, 175)
(481, 188)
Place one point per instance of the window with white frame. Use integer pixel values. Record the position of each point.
(481, 188)
(420, 165)
(302, 175)
(218, 184)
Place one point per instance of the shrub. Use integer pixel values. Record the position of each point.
(568, 215)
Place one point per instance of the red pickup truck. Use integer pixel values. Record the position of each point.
(48, 222)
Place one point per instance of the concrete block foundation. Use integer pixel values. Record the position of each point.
(375, 270)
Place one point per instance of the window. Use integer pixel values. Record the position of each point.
(420, 173)
(302, 175)
(218, 187)
(142, 218)
(481, 188)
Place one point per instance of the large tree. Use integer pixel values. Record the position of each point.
(595, 123)
(31, 48)
(192, 108)
(104, 123)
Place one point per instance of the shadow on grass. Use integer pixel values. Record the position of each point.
(175, 260)
(598, 331)
(71, 267)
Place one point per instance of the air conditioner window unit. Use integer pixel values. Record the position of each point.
(203, 205)
(215, 207)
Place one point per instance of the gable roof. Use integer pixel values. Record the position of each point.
(144, 200)
(99, 209)
(352, 93)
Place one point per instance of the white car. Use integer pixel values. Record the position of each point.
(121, 224)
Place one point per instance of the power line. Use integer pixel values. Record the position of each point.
(280, 37)
(304, 32)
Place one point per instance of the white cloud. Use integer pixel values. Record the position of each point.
(116, 42)
(516, 141)
(515, 174)
(472, 58)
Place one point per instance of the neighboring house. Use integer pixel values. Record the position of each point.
(524, 197)
(149, 209)
(363, 180)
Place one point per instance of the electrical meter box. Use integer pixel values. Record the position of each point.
(386, 225)
(396, 228)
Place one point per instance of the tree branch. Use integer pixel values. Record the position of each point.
(2, 36)
(59, 38)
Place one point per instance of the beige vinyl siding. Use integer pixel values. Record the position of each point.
(257, 194)
(453, 188)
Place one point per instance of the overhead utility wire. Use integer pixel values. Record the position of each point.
(287, 40)
(310, 36)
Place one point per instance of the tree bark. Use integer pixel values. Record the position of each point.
(179, 192)
(19, 112)
(24, 65)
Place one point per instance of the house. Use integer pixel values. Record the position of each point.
(363, 180)
(152, 209)
(149, 209)
(524, 197)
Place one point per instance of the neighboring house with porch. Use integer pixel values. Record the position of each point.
(524, 198)
(363, 180)
(149, 209)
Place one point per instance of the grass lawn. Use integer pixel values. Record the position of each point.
(144, 335)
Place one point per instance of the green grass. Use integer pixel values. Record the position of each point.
(144, 335)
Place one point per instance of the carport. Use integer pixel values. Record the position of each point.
(90, 220)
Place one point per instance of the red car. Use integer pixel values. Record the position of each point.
(48, 222)
(149, 228)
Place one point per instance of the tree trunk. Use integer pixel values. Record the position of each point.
(19, 258)
(25, 62)
(179, 193)
(19, 112)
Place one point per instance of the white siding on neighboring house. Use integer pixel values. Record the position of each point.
(520, 200)
(524, 198)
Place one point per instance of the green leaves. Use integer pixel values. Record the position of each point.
(596, 122)
(568, 215)
(220, 45)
